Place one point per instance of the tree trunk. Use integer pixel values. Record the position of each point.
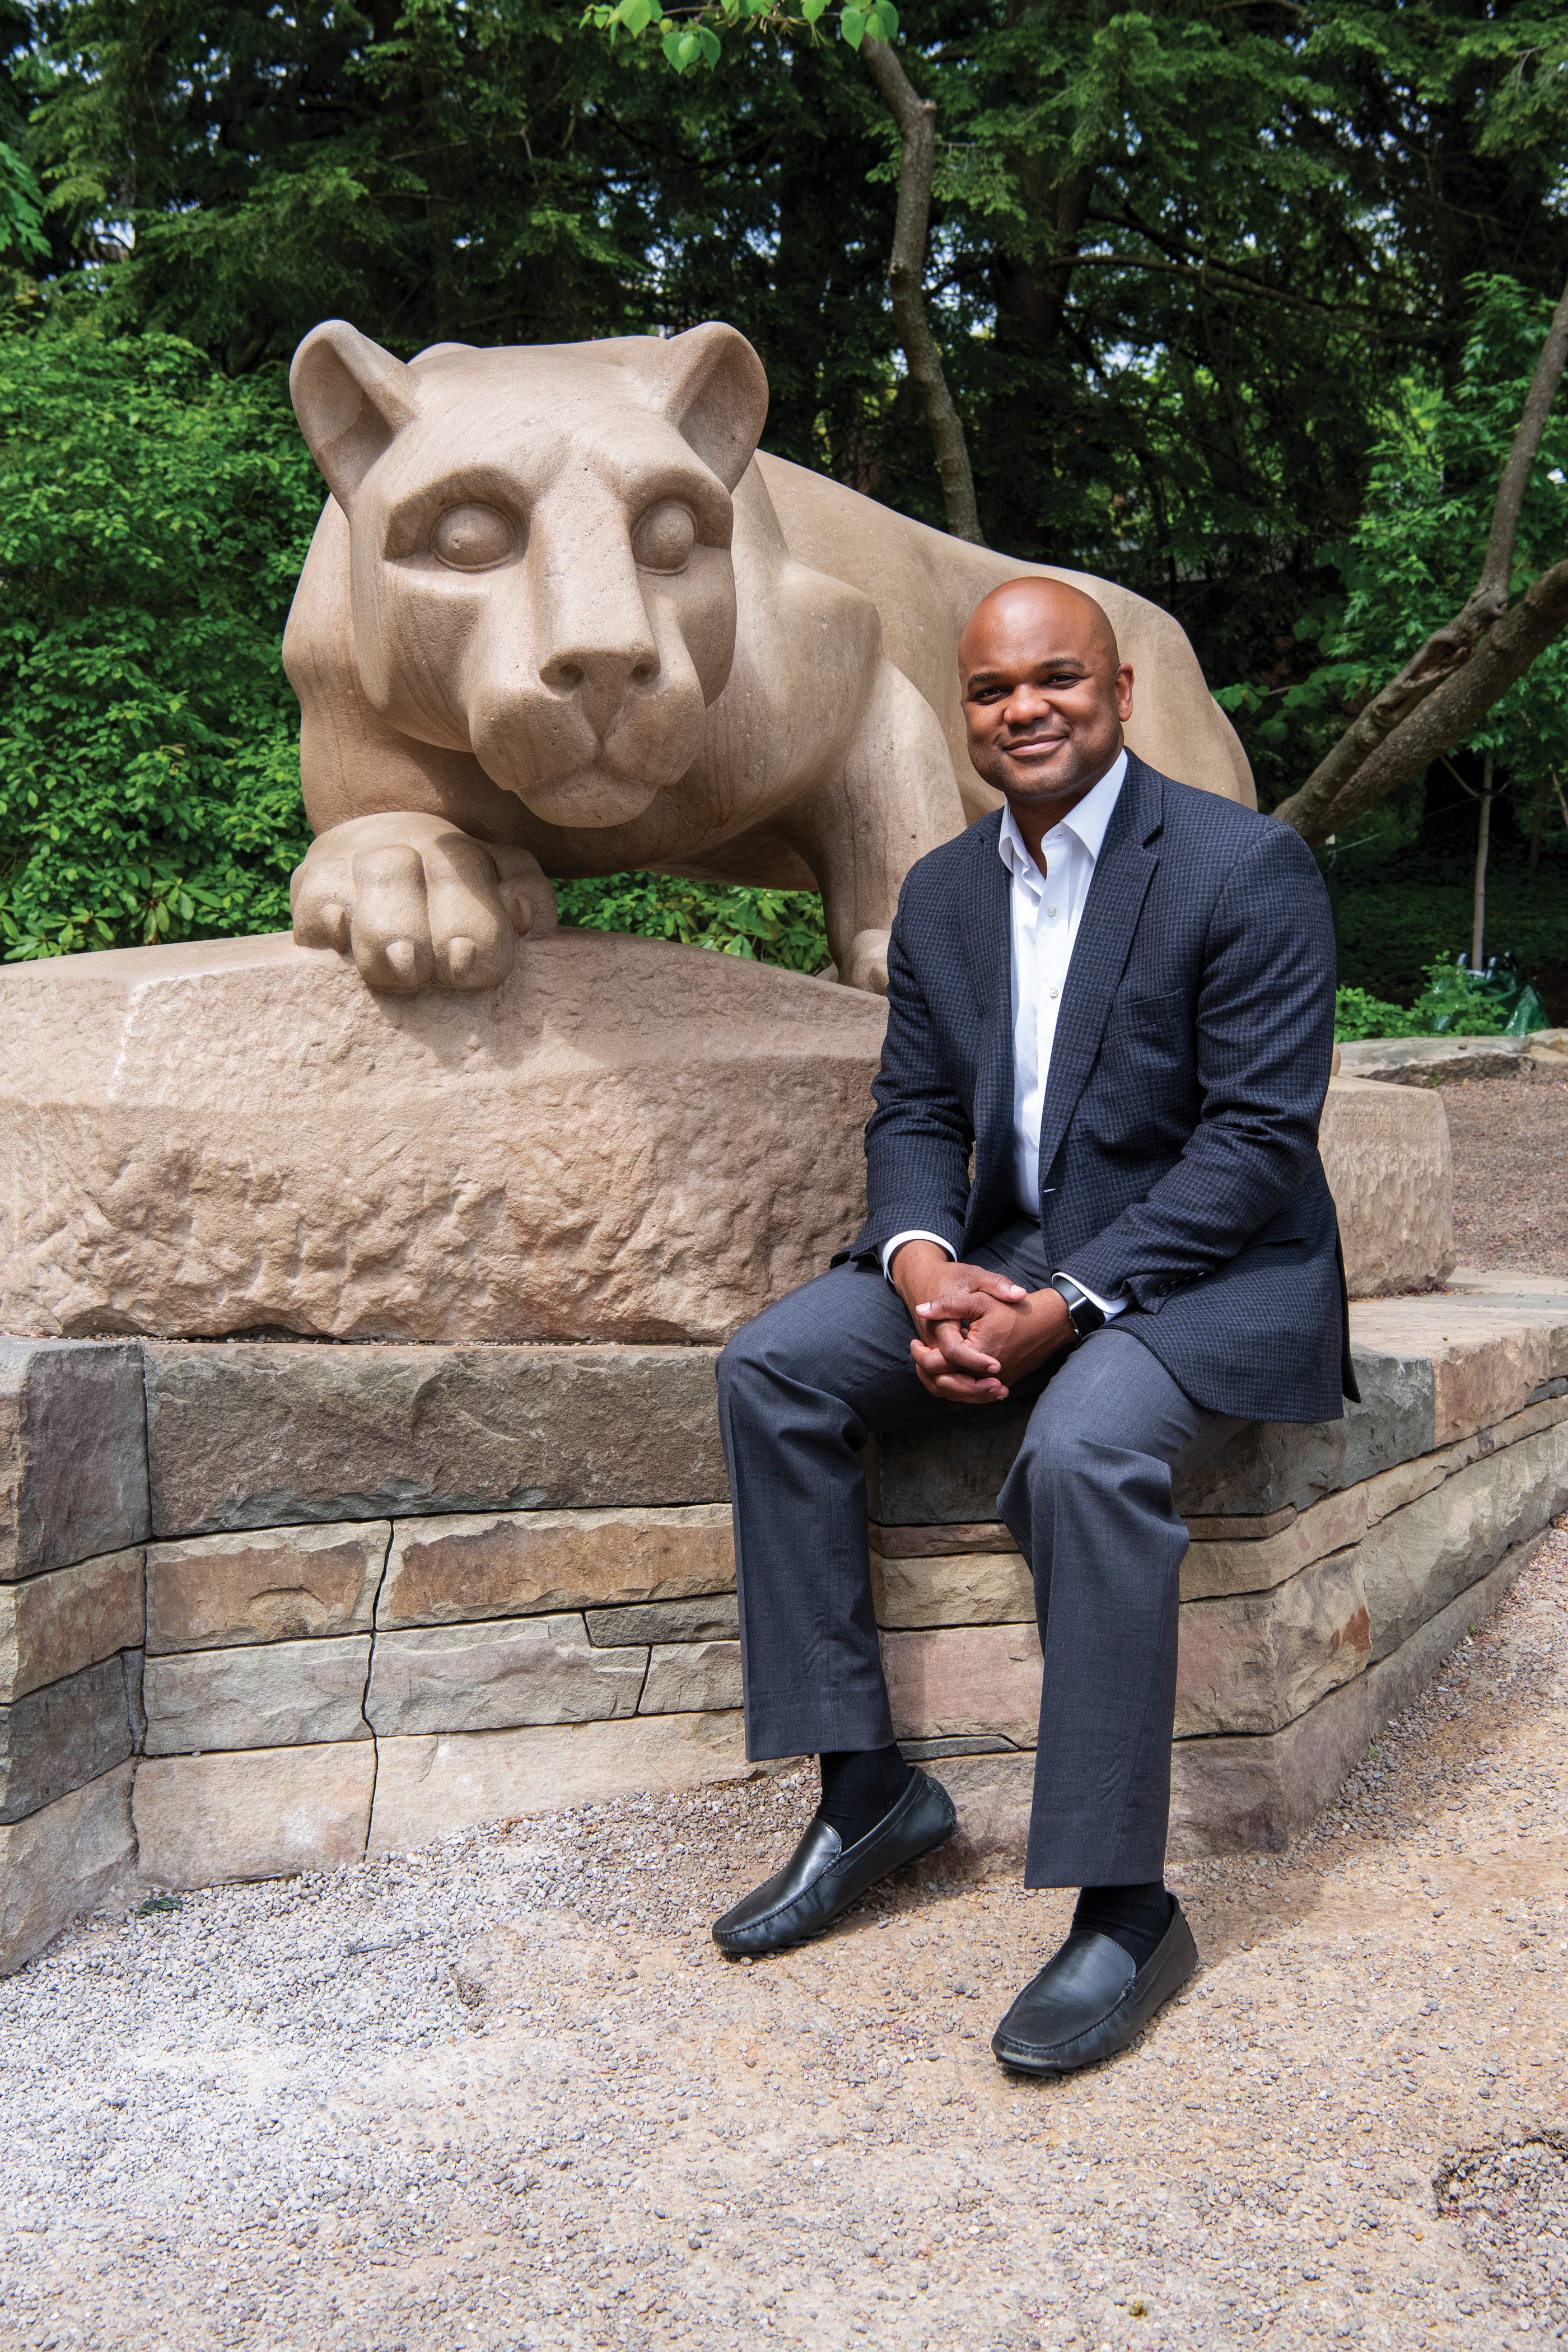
(1031, 292)
(1483, 840)
(1539, 826)
(916, 119)
(1449, 713)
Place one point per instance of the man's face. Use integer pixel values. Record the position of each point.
(1045, 695)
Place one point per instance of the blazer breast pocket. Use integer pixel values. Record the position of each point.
(1161, 1026)
(1147, 1051)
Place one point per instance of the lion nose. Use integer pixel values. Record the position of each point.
(602, 671)
(596, 649)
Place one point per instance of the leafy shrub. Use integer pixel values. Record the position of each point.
(1448, 1005)
(780, 926)
(1357, 1014)
(153, 518)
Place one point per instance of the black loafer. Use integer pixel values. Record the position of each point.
(822, 1878)
(1089, 2000)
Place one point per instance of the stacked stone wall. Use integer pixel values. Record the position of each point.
(269, 1606)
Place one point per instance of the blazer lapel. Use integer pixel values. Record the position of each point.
(985, 904)
(1123, 871)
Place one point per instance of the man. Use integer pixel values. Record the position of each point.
(1117, 993)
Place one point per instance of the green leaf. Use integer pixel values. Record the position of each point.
(812, 9)
(672, 45)
(709, 43)
(635, 13)
(852, 27)
(883, 24)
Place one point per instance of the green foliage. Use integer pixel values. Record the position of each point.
(414, 168)
(1184, 253)
(1357, 1014)
(154, 518)
(1453, 1003)
(1192, 264)
(780, 927)
(1416, 552)
(699, 41)
(21, 210)
(1458, 1003)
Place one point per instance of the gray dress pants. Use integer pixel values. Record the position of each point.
(1089, 1501)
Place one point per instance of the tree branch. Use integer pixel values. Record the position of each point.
(1453, 709)
(1493, 585)
(1320, 805)
(916, 119)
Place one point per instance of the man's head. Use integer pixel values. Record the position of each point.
(1046, 693)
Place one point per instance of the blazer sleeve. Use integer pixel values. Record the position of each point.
(919, 1136)
(1264, 1039)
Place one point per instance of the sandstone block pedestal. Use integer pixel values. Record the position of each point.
(627, 1141)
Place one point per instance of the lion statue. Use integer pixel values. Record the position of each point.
(560, 617)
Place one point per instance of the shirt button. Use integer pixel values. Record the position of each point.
(1051, 911)
(1053, 992)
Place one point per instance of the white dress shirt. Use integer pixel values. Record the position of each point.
(1046, 908)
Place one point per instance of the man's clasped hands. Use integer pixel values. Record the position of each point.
(975, 1332)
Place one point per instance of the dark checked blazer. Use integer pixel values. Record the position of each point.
(1179, 1140)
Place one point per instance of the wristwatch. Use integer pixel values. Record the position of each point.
(1082, 1313)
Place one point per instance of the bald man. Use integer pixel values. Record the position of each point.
(1092, 1180)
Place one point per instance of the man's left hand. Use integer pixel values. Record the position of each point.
(988, 1333)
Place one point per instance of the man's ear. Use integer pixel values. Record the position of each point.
(351, 398)
(712, 385)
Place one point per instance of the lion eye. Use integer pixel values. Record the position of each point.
(472, 538)
(665, 537)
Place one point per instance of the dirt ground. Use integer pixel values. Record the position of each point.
(1511, 1172)
(505, 2093)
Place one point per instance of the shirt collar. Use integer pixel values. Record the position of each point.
(1087, 823)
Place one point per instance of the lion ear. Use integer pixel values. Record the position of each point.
(351, 398)
(712, 387)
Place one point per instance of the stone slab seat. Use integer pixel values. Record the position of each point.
(266, 1606)
(627, 1140)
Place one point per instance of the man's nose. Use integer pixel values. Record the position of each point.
(1028, 705)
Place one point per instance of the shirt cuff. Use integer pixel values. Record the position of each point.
(1109, 1307)
(917, 1234)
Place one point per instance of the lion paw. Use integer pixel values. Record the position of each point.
(866, 965)
(420, 904)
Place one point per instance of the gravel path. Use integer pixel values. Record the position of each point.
(505, 2091)
(1511, 1173)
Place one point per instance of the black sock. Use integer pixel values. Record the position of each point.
(1136, 1917)
(860, 1786)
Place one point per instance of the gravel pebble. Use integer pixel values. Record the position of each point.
(505, 2091)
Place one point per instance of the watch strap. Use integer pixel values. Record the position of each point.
(1082, 1313)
